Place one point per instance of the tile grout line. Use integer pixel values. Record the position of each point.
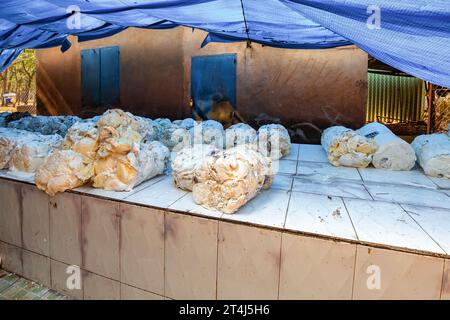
(119, 209)
(406, 211)
(354, 272)
(351, 220)
(49, 241)
(288, 205)
(164, 254)
(82, 245)
(217, 262)
(364, 184)
(279, 264)
(442, 280)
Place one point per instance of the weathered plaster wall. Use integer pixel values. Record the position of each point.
(306, 90)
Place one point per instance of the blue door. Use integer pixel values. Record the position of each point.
(90, 77)
(213, 78)
(100, 78)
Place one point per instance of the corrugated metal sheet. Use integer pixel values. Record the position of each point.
(395, 97)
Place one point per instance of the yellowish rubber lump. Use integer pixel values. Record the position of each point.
(229, 179)
(187, 162)
(63, 170)
(82, 137)
(124, 159)
(347, 148)
(393, 153)
(121, 172)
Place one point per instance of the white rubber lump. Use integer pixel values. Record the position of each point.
(229, 179)
(274, 141)
(393, 153)
(187, 123)
(30, 153)
(345, 147)
(174, 136)
(208, 132)
(45, 125)
(63, 170)
(187, 162)
(9, 139)
(124, 158)
(241, 134)
(433, 154)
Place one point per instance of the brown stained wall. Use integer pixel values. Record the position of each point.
(151, 74)
(307, 90)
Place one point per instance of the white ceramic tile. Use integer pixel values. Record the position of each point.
(412, 178)
(11, 212)
(318, 214)
(161, 194)
(313, 268)
(408, 195)
(325, 171)
(441, 182)
(285, 166)
(282, 182)
(17, 176)
(11, 258)
(312, 152)
(100, 234)
(118, 195)
(36, 267)
(190, 257)
(187, 204)
(293, 154)
(248, 262)
(388, 224)
(445, 294)
(396, 275)
(65, 228)
(35, 220)
(332, 187)
(142, 247)
(59, 277)
(132, 293)
(435, 222)
(96, 287)
(268, 209)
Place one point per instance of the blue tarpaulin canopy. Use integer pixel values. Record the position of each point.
(410, 35)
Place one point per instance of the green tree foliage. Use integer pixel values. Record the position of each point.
(20, 78)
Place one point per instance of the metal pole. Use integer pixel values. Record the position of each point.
(430, 108)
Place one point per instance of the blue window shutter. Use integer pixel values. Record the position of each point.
(90, 77)
(110, 76)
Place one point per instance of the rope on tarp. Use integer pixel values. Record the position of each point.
(249, 43)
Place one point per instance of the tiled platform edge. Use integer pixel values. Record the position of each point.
(127, 251)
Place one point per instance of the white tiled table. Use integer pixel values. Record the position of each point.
(405, 210)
